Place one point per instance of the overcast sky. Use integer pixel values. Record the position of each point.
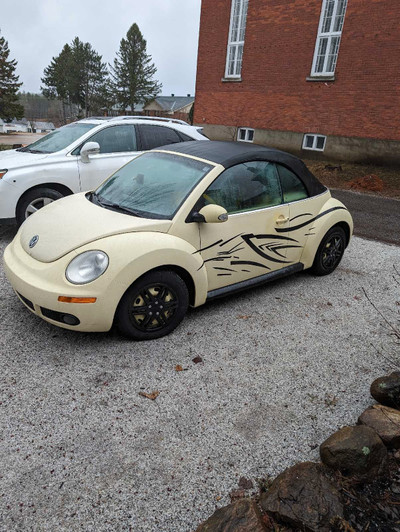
(36, 31)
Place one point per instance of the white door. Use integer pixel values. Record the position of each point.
(117, 147)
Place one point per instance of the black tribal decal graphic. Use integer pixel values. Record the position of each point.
(290, 229)
(226, 260)
(270, 246)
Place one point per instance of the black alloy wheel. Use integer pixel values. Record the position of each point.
(153, 306)
(330, 252)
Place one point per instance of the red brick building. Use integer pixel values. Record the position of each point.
(308, 76)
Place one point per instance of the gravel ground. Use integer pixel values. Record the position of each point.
(283, 367)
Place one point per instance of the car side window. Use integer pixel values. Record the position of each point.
(292, 188)
(116, 139)
(154, 136)
(246, 187)
(184, 137)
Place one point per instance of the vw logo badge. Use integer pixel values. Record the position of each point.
(33, 241)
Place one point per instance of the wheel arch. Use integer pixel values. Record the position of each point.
(183, 274)
(62, 189)
(340, 218)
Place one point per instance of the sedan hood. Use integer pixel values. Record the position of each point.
(16, 159)
(74, 221)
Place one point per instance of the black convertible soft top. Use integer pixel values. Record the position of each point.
(230, 153)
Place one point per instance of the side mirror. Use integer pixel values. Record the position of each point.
(90, 148)
(213, 214)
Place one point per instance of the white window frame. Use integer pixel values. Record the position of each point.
(235, 45)
(315, 136)
(247, 131)
(330, 37)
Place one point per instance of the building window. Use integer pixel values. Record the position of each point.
(314, 142)
(328, 39)
(237, 31)
(245, 134)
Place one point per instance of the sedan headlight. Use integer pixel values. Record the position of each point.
(86, 267)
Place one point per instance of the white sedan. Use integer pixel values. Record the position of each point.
(78, 157)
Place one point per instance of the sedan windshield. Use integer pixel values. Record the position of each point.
(154, 185)
(58, 139)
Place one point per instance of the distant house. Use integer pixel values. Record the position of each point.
(42, 127)
(116, 110)
(20, 126)
(174, 106)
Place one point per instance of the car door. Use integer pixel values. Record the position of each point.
(246, 245)
(302, 212)
(117, 147)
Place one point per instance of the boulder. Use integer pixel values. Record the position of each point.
(386, 390)
(385, 421)
(240, 516)
(356, 451)
(304, 498)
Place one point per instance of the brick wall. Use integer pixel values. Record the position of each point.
(363, 101)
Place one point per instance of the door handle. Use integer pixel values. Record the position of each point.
(282, 219)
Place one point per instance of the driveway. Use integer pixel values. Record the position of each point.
(374, 217)
(20, 138)
(282, 367)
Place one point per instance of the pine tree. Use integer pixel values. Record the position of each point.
(77, 76)
(9, 85)
(133, 71)
(57, 79)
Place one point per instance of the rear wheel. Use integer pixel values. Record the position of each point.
(153, 306)
(330, 252)
(34, 200)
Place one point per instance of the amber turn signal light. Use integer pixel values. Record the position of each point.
(65, 299)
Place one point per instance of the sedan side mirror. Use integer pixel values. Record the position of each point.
(90, 148)
(214, 214)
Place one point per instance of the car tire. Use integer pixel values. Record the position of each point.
(34, 200)
(164, 299)
(330, 252)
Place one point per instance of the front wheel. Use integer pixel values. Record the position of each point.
(153, 306)
(330, 252)
(34, 200)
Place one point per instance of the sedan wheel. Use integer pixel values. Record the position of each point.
(34, 200)
(153, 306)
(330, 252)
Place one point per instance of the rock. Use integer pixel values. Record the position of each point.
(304, 498)
(357, 451)
(386, 390)
(240, 516)
(237, 494)
(245, 483)
(385, 421)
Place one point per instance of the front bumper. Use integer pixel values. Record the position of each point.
(38, 285)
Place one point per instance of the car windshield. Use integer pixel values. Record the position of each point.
(58, 139)
(153, 185)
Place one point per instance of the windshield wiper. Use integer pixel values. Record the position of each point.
(27, 149)
(115, 206)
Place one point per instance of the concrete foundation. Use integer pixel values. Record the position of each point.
(349, 149)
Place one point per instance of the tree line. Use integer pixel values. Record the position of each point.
(82, 82)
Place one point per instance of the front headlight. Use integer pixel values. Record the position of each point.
(86, 267)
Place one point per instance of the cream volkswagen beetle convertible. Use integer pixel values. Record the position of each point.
(176, 226)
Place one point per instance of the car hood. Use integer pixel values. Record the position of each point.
(15, 159)
(74, 221)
